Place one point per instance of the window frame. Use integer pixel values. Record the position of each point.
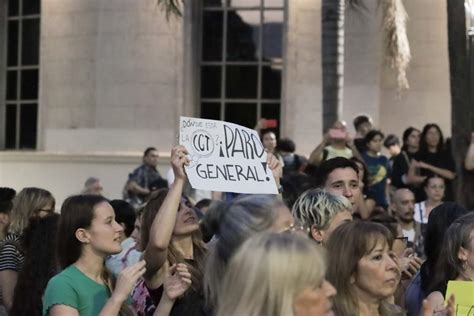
(259, 63)
(18, 102)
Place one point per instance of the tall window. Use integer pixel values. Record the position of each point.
(242, 60)
(22, 71)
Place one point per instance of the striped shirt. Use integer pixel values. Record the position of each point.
(10, 256)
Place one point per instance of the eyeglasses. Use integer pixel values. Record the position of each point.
(403, 239)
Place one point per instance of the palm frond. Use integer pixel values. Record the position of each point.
(171, 7)
(357, 5)
(397, 46)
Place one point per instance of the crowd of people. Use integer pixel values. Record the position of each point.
(352, 232)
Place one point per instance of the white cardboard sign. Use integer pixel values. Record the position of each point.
(225, 157)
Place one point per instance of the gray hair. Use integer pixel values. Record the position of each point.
(239, 220)
(317, 208)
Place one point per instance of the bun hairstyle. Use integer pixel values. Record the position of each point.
(232, 224)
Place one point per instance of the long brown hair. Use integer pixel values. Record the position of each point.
(78, 212)
(449, 265)
(346, 246)
(174, 256)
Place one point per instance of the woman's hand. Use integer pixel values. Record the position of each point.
(179, 159)
(448, 310)
(127, 280)
(275, 166)
(177, 282)
(409, 264)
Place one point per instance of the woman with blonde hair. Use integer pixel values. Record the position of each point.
(284, 276)
(321, 213)
(363, 269)
(30, 202)
(238, 221)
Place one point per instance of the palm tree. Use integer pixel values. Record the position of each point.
(462, 117)
(171, 7)
(397, 49)
(332, 43)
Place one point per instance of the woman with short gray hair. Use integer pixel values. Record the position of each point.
(321, 212)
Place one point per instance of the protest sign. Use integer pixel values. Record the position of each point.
(225, 157)
(464, 295)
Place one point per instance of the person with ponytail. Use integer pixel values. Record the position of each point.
(87, 235)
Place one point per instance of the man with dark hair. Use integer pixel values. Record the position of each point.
(138, 184)
(125, 216)
(292, 163)
(362, 124)
(6, 205)
(392, 143)
(339, 176)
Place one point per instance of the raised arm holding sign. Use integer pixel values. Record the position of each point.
(226, 157)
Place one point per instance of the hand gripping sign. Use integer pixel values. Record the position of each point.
(464, 295)
(225, 157)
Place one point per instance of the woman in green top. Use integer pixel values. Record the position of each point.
(88, 233)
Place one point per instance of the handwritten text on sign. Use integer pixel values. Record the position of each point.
(464, 294)
(225, 157)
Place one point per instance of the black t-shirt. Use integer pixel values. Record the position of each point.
(442, 160)
(192, 303)
(359, 143)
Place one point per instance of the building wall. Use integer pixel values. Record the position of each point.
(370, 85)
(362, 61)
(115, 76)
(302, 111)
(110, 75)
(428, 100)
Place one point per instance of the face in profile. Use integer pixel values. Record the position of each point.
(338, 220)
(399, 243)
(137, 229)
(345, 182)
(315, 300)
(186, 219)
(377, 275)
(103, 235)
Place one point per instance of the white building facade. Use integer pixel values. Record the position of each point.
(87, 85)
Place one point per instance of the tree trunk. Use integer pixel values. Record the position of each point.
(332, 60)
(461, 101)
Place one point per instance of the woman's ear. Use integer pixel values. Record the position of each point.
(463, 254)
(82, 235)
(317, 234)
